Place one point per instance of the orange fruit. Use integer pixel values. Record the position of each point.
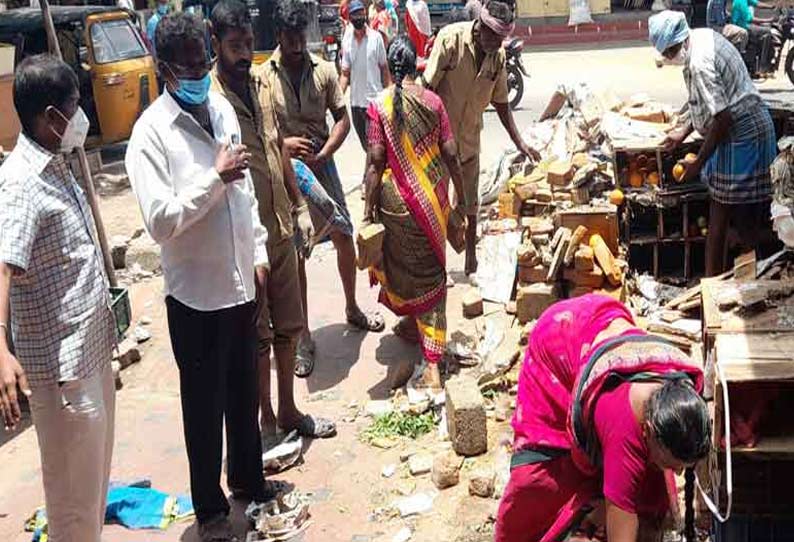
(635, 179)
(690, 158)
(616, 197)
(652, 179)
(678, 172)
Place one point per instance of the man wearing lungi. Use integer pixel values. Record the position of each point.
(739, 145)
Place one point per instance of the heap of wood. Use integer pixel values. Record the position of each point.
(552, 184)
(563, 263)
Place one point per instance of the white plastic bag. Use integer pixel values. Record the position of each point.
(580, 13)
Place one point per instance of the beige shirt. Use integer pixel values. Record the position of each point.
(465, 90)
(260, 134)
(303, 113)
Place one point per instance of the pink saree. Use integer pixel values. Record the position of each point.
(560, 347)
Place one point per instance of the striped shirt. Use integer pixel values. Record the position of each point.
(62, 323)
(716, 78)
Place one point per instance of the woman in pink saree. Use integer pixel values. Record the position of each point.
(603, 411)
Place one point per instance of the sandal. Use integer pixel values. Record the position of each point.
(311, 427)
(304, 360)
(370, 321)
(217, 529)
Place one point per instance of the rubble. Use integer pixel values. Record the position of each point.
(446, 470)
(532, 300)
(141, 334)
(144, 252)
(127, 353)
(419, 464)
(419, 503)
(118, 251)
(472, 303)
(481, 483)
(466, 420)
(282, 518)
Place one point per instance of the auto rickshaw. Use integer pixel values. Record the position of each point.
(105, 48)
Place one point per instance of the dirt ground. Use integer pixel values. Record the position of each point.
(343, 475)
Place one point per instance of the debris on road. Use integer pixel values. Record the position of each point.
(466, 419)
(419, 503)
(446, 470)
(279, 519)
(420, 464)
(284, 455)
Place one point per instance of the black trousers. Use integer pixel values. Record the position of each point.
(218, 378)
(360, 123)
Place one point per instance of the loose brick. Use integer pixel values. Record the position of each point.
(472, 303)
(532, 300)
(590, 279)
(560, 173)
(370, 245)
(584, 259)
(532, 274)
(466, 420)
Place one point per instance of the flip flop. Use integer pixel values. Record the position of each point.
(367, 321)
(304, 361)
(311, 427)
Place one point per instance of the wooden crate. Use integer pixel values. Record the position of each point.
(602, 220)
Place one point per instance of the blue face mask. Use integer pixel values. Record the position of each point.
(162, 9)
(193, 91)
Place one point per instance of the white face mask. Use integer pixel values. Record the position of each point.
(75, 132)
(682, 58)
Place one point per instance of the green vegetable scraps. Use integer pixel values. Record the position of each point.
(399, 424)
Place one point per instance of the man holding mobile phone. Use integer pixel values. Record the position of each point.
(191, 178)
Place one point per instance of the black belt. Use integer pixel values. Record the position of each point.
(531, 457)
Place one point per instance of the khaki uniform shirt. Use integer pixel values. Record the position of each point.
(260, 134)
(466, 91)
(303, 114)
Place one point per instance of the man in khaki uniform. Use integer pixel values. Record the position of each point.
(305, 88)
(281, 318)
(467, 69)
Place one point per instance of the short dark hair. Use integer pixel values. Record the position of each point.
(503, 11)
(175, 29)
(229, 15)
(41, 81)
(291, 16)
(680, 420)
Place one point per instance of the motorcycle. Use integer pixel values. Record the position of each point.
(515, 70)
(780, 32)
(332, 48)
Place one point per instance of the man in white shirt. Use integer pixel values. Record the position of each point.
(364, 67)
(191, 178)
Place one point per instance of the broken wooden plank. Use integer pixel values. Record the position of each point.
(693, 292)
(606, 260)
(744, 267)
(573, 245)
(559, 253)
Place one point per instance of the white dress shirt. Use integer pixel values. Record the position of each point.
(210, 232)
